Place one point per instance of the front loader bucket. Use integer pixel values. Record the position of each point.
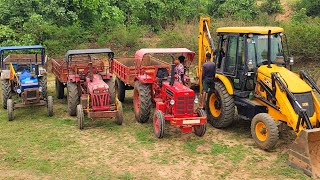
(305, 152)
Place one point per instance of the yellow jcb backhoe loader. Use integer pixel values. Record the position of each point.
(254, 75)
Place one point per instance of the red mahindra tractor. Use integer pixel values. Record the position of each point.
(89, 87)
(174, 100)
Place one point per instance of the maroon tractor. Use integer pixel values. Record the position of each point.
(91, 86)
(174, 100)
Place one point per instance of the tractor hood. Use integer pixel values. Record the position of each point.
(97, 83)
(294, 82)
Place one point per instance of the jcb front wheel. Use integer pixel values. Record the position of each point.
(220, 107)
(158, 124)
(142, 102)
(264, 131)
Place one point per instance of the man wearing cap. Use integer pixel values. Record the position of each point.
(208, 74)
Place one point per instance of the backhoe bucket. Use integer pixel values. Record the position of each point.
(305, 152)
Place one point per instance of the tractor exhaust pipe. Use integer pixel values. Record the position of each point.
(269, 49)
(172, 74)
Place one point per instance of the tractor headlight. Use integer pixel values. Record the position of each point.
(105, 90)
(96, 91)
(40, 89)
(196, 100)
(171, 102)
(18, 91)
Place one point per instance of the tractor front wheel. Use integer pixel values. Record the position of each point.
(6, 92)
(73, 98)
(158, 124)
(142, 102)
(59, 89)
(119, 115)
(112, 90)
(121, 89)
(10, 109)
(264, 131)
(220, 107)
(80, 116)
(200, 130)
(50, 106)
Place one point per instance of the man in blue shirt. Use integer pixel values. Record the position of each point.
(208, 75)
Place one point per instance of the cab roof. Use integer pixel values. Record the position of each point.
(252, 29)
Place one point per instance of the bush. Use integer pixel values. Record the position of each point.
(271, 7)
(312, 7)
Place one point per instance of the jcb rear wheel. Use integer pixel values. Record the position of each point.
(264, 131)
(59, 89)
(119, 115)
(220, 107)
(112, 90)
(121, 90)
(50, 106)
(200, 130)
(80, 116)
(142, 102)
(6, 92)
(73, 98)
(10, 109)
(158, 124)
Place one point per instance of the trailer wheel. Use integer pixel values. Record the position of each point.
(264, 131)
(6, 92)
(73, 98)
(10, 109)
(59, 89)
(121, 90)
(220, 107)
(200, 130)
(43, 85)
(80, 116)
(112, 90)
(142, 102)
(158, 124)
(50, 106)
(119, 115)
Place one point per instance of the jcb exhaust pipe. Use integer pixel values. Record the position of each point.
(269, 49)
(172, 74)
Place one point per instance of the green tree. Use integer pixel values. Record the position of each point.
(271, 7)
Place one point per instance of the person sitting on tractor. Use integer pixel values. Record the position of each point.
(179, 69)
(208, 74)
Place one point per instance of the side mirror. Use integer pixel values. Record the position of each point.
(291, 61)
(250, 65)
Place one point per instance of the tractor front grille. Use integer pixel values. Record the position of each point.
(306, 102)
(31, 94)
(100, 101)
(184, 105)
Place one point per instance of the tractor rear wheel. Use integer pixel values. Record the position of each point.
(220, 107)
(73, 98)
(112, 90)
(264, 131)
(121, 90)
(50, 106)
(119, 115)
(158, 124)
(6, 92)
(142, 102)
(10, 109)
(200, 130)
(59, 89)
(43, 85)
(80, 116)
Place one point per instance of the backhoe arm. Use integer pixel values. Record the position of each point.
(205, 45)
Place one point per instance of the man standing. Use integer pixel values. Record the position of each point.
(208, 75)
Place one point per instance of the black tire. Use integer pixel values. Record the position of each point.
(80, 116)
(59, 89)
(158, 124)
(10, 109)
(43, 85)
(266, 137)
(200, 130)
(224, 103)
(119, 115)
(121, 90)
(112, 90)
(142, 102)
(73, 98)
(6, 92)
(50, 106)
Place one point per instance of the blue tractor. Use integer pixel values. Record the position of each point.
(24, 79)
